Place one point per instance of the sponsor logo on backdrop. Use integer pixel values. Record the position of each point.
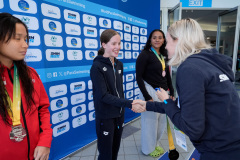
(60, 116)
(34, 39)
(33, 55)
(135, 84)
(127, 28)
(137, 91)
(90, 32)
(90, 106)
(1, 4)
(135, 46)
(90, 55)
(26, 6)
(77, 86)
(127, 37)
(117, 25)
(89, 84)
(60, 129)
(58, 90)
(74, 55)
(76, 122)
(129, 86)
(73, 42)
(52, 26)
(90, 43)
(78, 98)
(78, 110)
(50, 11)
(54, 55)
(123, 78)
(53, 40)
(128, 55)
(123, 87)
(142, 46)
(121, 45)
(135, 55)
(100, 32)
(127, 46)
(129, 77)
(143, 31)
(59, 103)
(121, 35)
(106, 23)
(31, 22)
(143, 39)
(71, 16)
(129, 94)
(135, 30)
(92, 116)
(120, 55)
(89, 20)
(90, 95)
(72, 29)
(135, 38)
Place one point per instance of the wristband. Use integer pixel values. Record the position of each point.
(157, 89)
(165, 101)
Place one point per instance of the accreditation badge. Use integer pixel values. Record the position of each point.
(18, 133)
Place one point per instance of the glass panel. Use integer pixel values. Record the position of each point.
(227, 33)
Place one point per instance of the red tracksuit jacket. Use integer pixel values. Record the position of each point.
(37, 120)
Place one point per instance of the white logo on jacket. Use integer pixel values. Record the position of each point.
(223, 77)
(105, 133)
(119, 71)
(104, 69)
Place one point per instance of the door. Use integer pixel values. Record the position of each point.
(228, 37)
(174, 15)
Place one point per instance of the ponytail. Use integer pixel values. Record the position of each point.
(101, 51)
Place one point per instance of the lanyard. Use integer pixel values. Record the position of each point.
(170, 138)
(15, 105)
(161, 59)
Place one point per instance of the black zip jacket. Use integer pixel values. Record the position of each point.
(107, 83)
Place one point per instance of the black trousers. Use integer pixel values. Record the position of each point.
(109, 133)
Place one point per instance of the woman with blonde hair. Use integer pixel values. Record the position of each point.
(208, 107)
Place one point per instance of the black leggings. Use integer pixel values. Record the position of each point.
(109, 133)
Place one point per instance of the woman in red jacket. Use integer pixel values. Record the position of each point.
(25, 129)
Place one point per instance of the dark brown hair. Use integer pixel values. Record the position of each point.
(7, 32)
(105, 38)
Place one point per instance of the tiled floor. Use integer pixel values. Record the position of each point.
(130, 148)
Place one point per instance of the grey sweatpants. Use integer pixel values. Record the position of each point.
(152, 125)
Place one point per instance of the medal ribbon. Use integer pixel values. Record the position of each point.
(160, 59)
(15, 105)
(170, 138)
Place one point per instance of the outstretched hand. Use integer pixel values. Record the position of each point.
(139, 106)
(41, 153)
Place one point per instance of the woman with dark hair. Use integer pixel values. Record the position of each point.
(152, 72)
(107, 79)
(25, 128)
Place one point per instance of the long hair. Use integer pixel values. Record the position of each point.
(190, 40)
(105, 38)
(162, 49)
(7, 32)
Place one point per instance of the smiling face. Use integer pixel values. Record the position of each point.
(15, 49)
(112, 47)
(171, 45)
(157, 40)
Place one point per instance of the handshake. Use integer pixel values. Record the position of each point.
(139, 106)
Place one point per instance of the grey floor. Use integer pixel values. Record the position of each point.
(130, 148)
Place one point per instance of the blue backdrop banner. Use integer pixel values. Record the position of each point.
(64, 40)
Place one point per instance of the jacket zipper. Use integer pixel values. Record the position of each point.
(115, 82)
